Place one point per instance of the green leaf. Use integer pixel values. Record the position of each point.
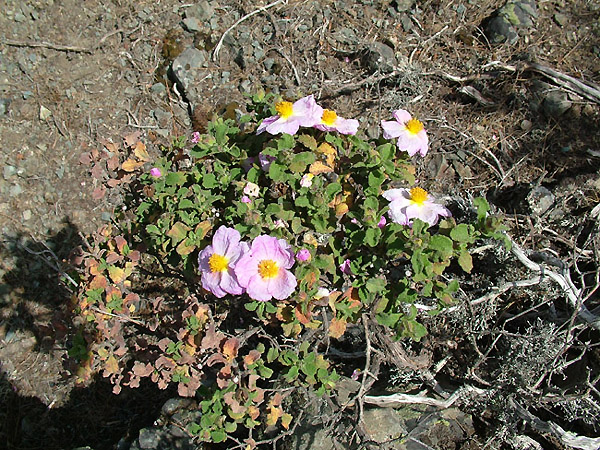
(277, 172)
(175, 178)
(441, 244)
(482, 207)
(372, 236)
(308, 141)
(375, 285)
(332, 189)
(461, 233)
(285, 142)
(465, 260)
(209, 181)
(272, 354)
(301, 160)
(218, 436)
(291, 374)
(302, 201)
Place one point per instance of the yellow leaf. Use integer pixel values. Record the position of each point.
(319, 167)
(275, 412)
(337, 328)
(116, 274)
(131, 164)
(286, 419)
(112, 366)
(141, 152)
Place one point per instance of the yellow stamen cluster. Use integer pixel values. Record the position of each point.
(217, 263)
(418, 195)
(284, 109)
(329, 117)
(414, 126)
(268, 268)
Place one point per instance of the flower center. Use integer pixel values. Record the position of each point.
(414, 126)
(217, 263)
(329, 117)
(418, 195)
(284, 109)
(268, 268)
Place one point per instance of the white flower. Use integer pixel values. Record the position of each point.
(306, 180)
(414, 204)
(251, 189)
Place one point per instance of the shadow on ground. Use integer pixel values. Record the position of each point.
(41, 406)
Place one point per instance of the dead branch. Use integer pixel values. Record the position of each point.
(566, 437)
(572, 293)
(394, 400)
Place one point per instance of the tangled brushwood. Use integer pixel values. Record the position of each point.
(279, 257)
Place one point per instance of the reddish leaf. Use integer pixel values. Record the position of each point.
(86, 158)
(142, 370)
(113, 182)
(113, 257)
(121, 243)
(230, 348)
(251, 357)
(113, 163)
(98, 171)
(134, 256)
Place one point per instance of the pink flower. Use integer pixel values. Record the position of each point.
(264, 273)
(155, 172)
(246, 199)
(382, 222)
(195, 137)
(414, 204)
(306, 180)
(217, 262)
(330, 121)
(303, 255)
(411, 134)
(291, 116)
(345, 267)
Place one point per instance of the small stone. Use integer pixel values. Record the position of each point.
(106, 216)
(404, 5)
(380, 58)
(192, 24)
(203, 11)
(20, 17)
(540, 200)
(345, 36)
(158, 88)
(561, 19)
(268, 63)
(45, 113)
(15, 190)
(4, 103)
(556, 103)
(27, 215)
(8, 171)
(526, 125)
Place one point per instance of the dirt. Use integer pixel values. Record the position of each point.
(76, 76)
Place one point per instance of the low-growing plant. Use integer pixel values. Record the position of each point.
(247, 249)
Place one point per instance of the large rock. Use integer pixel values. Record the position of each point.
(189, 70)
(505, 24)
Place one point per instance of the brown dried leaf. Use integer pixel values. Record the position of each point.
(99, 193)
(110, 146)
(113, 182)
(86, 158)
(251, 357)
(275, 412)
(230, 348)
(113, 163)
(111, 367)
(142, 370)
(131, 164)
(141, 152)
(132, 138)
(337, 327)
(113, 257)
(121, 242)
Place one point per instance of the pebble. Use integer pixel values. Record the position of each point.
(27, 215)
(15, 190)
(380, 58)
(8, 171)
(540, 200)
(192, 24)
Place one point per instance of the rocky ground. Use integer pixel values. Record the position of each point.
(507, 92)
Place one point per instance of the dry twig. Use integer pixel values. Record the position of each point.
(394, 400)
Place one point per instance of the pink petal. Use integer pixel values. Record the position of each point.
(284, 285)
(265, 123)
(392, 129)
(396, 194)
(258, 289)
(211, 282)
(402, 116)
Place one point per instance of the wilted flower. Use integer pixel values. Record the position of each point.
(251, 189)
(330, 121)
(306, 180)
(411, 134)
(321, 293)
(155, 172)
(246, 199)
(345, 267)
(291, 116)
(280, 223)
(416, 203)
(303, 255)
(382, 222)
(263, 271)
(265, 161)
(195, 137)
(217, 262)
